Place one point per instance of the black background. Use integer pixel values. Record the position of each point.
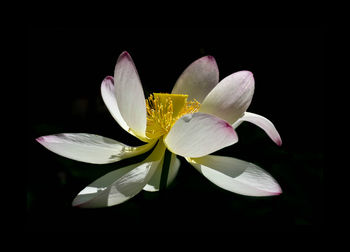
(67, 62)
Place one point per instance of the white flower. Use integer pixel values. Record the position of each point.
(198, 118)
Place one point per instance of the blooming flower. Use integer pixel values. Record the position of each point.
(198, 118)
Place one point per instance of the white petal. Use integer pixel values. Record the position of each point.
(108, 96)
(90, 148)
(129, 94)
(153, 184)
(173, 169)
(198, 134)
(231, 97)
(98, 186)
(118, 186)
(263, 123)
(236, 175)
(198, 79)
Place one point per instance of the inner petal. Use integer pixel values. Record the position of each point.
(164, 109)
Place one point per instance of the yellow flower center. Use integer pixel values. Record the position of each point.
(163, 110)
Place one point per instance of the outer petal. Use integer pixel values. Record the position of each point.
(198, 79)
(198, 134)
(231, 97)
(153, 184)
(236, 175)
(129, 94)
(90, 148)
(108, 95)
(263, 123)
(120, 185)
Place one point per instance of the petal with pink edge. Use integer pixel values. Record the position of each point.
(198, 134)
(129, 95)
(236, 175)
(231, 97)
(108, 96)
(91, 148)
(198, 79)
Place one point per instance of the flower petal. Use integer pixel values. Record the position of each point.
(153, 184)
(90, 148)
(198, 79)
(120, 185)
(263, 123)
(231, 97)
(173, 169)
(108, 96)
(198, 134)
(236, 175)
(129, 94)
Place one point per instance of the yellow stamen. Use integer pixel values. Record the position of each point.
(163, 110)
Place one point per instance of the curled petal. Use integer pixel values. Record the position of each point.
(90, 148)
(263, 123)
(198, 134)
(236, 175)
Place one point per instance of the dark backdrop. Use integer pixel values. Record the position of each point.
(67, 62)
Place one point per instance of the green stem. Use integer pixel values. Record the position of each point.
(165, 170)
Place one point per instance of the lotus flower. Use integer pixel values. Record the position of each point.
(198, 118)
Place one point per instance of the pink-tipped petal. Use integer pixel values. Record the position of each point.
(236, 175)
(198, 134)
(263, 123)
(108, 96)
(90, 148)
(231, 97)
(198, 79)
(129, 95)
